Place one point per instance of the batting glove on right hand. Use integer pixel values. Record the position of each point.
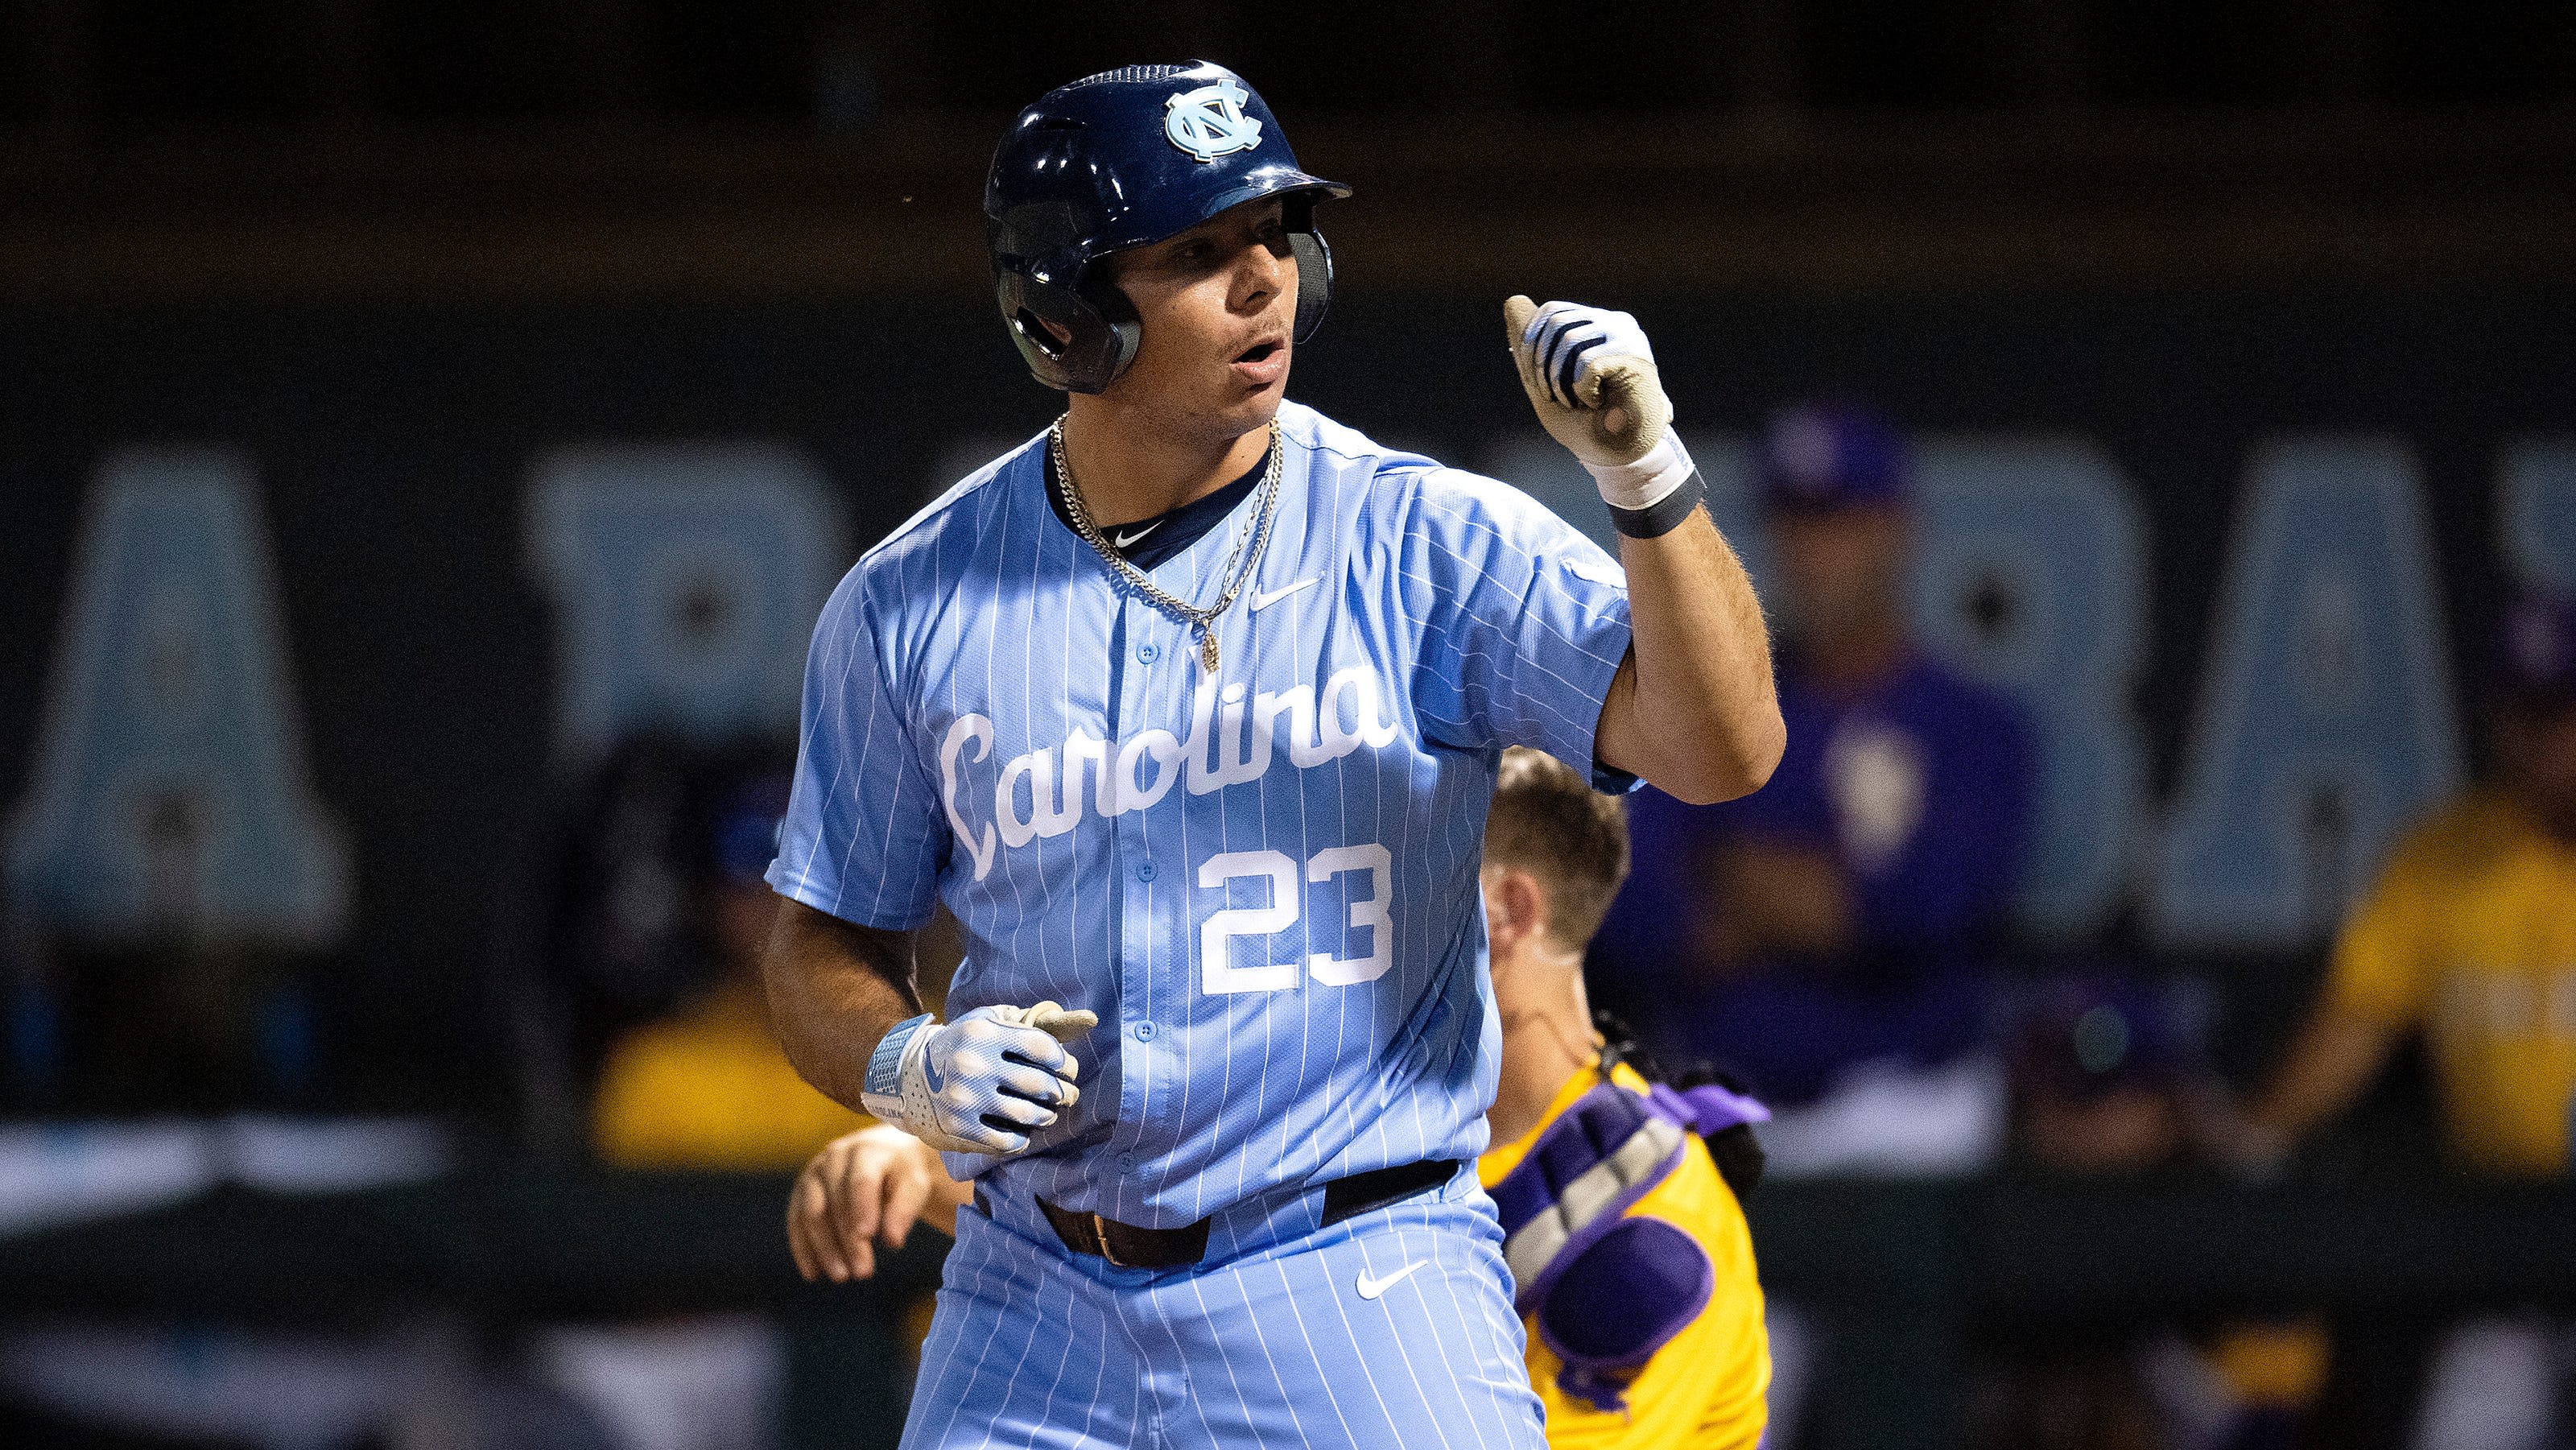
(980, 1084)
(1590, 375)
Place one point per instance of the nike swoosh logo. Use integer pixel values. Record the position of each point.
(1128, 541)
(1270, 597)
(1370, 1288)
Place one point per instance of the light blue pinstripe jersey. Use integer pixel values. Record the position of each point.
(1265, 884)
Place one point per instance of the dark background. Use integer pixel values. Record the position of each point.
(155, 60)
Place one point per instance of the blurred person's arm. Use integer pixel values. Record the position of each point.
(866, 1188)
(1776, 894)
(2334, 1056)
(2375, 991)
(1775, 897)
(835, 990)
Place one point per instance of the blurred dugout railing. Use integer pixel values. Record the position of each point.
(1446, 206)
(1904, 1274)
(832, 147)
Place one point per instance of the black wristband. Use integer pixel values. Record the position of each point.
(1663, 515)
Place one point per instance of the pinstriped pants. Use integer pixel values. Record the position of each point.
(1269, 1342)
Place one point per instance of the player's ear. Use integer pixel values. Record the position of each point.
(1498, 913)
(1515, 907)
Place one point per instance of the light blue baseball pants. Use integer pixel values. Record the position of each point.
(1390, 1328)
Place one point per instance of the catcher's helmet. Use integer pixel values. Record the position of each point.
(1127, 158)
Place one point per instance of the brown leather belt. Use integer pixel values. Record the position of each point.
(1130, 1247)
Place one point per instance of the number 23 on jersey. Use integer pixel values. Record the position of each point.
(1218, 972)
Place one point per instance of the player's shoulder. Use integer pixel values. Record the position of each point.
(1345, 455)
(964, 507)
(1413, 494)
(2458, 840)
(1623, 1076)
(935, 542)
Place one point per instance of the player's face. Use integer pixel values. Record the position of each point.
(1218, 304)
(1841, 570)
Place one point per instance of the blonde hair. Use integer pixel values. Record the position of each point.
(1549, 821)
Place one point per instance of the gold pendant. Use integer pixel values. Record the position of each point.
(1207, 649)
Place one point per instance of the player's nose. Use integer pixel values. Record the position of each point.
(1260, 275)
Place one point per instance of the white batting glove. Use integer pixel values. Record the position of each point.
(980, 1084)
(1590, 374)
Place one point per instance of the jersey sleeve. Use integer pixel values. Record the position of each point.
(863, 839)
(2382, 968)
(1524, 621)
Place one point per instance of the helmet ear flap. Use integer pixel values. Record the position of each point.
(1122, 330)
(1314, 278)
(1070, 339)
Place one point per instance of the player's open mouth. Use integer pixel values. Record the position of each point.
(1262, 363)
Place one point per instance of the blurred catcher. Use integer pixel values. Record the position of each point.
(1619, 1193)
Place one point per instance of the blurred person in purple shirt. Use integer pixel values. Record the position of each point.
(1827, 936)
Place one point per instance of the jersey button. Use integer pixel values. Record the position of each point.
(1147, 653)
(1145, 871)
(1126, 1162)
(1144, 1032)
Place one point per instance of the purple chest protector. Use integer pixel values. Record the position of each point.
(1608, 1290)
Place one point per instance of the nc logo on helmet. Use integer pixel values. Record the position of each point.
(1209, 122)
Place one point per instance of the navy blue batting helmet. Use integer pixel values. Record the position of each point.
(1127, 158)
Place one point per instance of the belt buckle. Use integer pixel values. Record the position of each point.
(1100, 1231)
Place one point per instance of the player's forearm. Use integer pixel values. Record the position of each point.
(1692, 707)
(1702, 719)
(2334, 1056)
(835, 989)
(1785, 899)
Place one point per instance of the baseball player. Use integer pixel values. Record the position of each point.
(1629, 1251)
(1189, 709)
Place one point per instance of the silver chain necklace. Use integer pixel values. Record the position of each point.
(1201, 620)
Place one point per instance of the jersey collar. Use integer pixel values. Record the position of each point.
(1150, 543)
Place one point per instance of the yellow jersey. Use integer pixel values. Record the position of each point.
(2470, 935)
(1705, 1387)
(710, 1088)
